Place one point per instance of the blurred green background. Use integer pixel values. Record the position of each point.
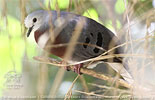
(17, 51)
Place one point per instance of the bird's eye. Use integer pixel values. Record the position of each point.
(34, 20)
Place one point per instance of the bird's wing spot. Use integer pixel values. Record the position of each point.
(86, 41)
(99, 42)
(91, 34)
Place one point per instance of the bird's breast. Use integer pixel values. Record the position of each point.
(42, 38)
(58, 50)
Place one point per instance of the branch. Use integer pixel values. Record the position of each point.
(82, 70)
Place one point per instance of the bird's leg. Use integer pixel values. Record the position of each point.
(77, 68)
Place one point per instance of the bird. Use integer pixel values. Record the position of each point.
(94, 38)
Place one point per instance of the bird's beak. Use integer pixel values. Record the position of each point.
(29, 31)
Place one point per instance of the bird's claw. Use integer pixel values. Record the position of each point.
(77, 68)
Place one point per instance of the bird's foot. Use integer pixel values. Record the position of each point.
(77, 68)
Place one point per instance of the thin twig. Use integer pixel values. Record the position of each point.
(84, 84)
(109, 88)
(56, 63)
(69, 93)
(85, 71)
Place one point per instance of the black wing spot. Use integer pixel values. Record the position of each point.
(87, 41)
(99, 42)
(91, 34)
(99, 39)
(96, 50)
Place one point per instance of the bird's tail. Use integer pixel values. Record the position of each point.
(117, 67)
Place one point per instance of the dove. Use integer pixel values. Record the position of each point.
(94, 38)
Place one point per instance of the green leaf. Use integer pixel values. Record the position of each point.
(91, 13)
(120, 6)
(61, 3)
(108, 24)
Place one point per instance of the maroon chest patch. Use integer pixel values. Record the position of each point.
(58, 51)
(37, 34)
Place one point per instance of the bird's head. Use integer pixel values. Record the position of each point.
(34, 20)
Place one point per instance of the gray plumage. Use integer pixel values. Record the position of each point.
(92, 33)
